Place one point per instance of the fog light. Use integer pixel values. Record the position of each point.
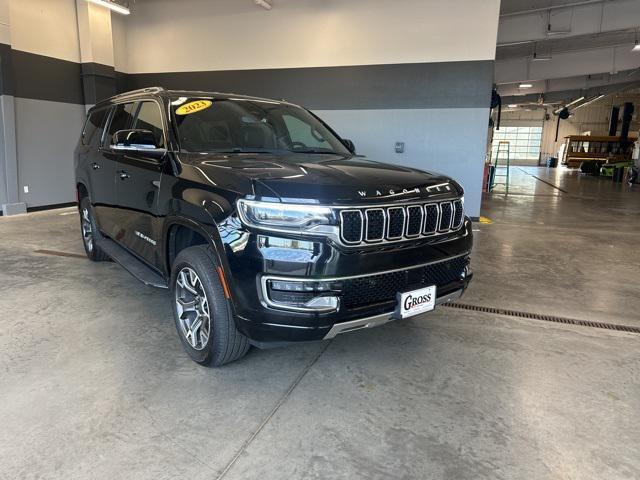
(466, 272)
(301, 286)
(303, 295)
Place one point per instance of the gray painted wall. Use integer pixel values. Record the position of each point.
(439, 110)
(46, 135)
(448, 140)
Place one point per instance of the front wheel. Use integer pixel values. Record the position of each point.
(201, 311)
(90, 232)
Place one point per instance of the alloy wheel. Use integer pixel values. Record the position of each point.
(192, 306)
(87, 229)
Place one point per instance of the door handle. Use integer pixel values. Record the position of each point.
(95, 166)
(123, 175)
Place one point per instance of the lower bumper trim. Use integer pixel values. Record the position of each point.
(377, 320)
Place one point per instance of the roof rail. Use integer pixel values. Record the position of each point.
(140, 90)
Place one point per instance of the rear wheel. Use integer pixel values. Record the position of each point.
(90, 233)
(201, 311)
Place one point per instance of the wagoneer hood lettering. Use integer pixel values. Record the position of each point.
(323, 178)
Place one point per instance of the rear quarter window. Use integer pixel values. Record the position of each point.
(94, 126)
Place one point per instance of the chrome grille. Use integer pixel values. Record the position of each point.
(351, 226)
(446, 215)
(397, 223)
(375, 220)
(395, 226)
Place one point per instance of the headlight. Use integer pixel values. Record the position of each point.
(285, 216)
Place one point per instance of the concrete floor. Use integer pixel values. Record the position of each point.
(94, 382)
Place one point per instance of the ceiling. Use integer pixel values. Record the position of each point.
(586, 47)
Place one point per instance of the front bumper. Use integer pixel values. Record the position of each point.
(368, 282)
(377, 320)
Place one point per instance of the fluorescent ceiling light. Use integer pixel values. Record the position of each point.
(513, 105)
(590, 101)
(525, 85)
(569, 104)
(575, 101)
(116, 7)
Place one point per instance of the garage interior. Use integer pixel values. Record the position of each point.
(534, 373)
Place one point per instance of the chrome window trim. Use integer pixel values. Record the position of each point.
(404, 217)
(342, 239)
(366, 225)
(421, 210)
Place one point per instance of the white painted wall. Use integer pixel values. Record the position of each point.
(119, 40)
(94, 32)
(188, 35)
(45, 27)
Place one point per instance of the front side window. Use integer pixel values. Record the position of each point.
(239, 125)
(150, 118)
(94, 126)
(122, 118)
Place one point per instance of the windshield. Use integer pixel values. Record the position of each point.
(239, 125)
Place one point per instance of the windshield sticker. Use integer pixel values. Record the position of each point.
(193, 107)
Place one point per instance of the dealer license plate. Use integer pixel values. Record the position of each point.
(416, 302)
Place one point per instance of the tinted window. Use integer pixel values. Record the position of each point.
(150, 118)
(94, 126)
(122, 118)
(302, 133)
(206, 125)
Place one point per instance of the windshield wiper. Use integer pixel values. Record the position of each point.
(242, 150)
(311, 150)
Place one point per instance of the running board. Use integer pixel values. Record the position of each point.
(131, 264)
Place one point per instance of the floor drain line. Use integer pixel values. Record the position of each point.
(544, 318)
(543, 181)
(60, 254)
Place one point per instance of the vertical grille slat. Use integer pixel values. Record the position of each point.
(374, 219)
(446, 215)
(396, 223)
(458, 215)
(395, 226)
(351, 226)
(432, 212)
(414, 221)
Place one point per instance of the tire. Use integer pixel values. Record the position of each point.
(90, 233)
(194, 273)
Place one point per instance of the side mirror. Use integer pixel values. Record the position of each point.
(143, 141)
(350, 145)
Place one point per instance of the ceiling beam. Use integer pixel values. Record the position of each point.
(552, 7)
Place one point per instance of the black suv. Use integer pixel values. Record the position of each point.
(262, 222)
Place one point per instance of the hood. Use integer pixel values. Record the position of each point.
(320, 178)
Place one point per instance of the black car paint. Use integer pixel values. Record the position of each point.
(199, 191)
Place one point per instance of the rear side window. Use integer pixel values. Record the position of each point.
(122, 118)
(94, 126)
(150, 118)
